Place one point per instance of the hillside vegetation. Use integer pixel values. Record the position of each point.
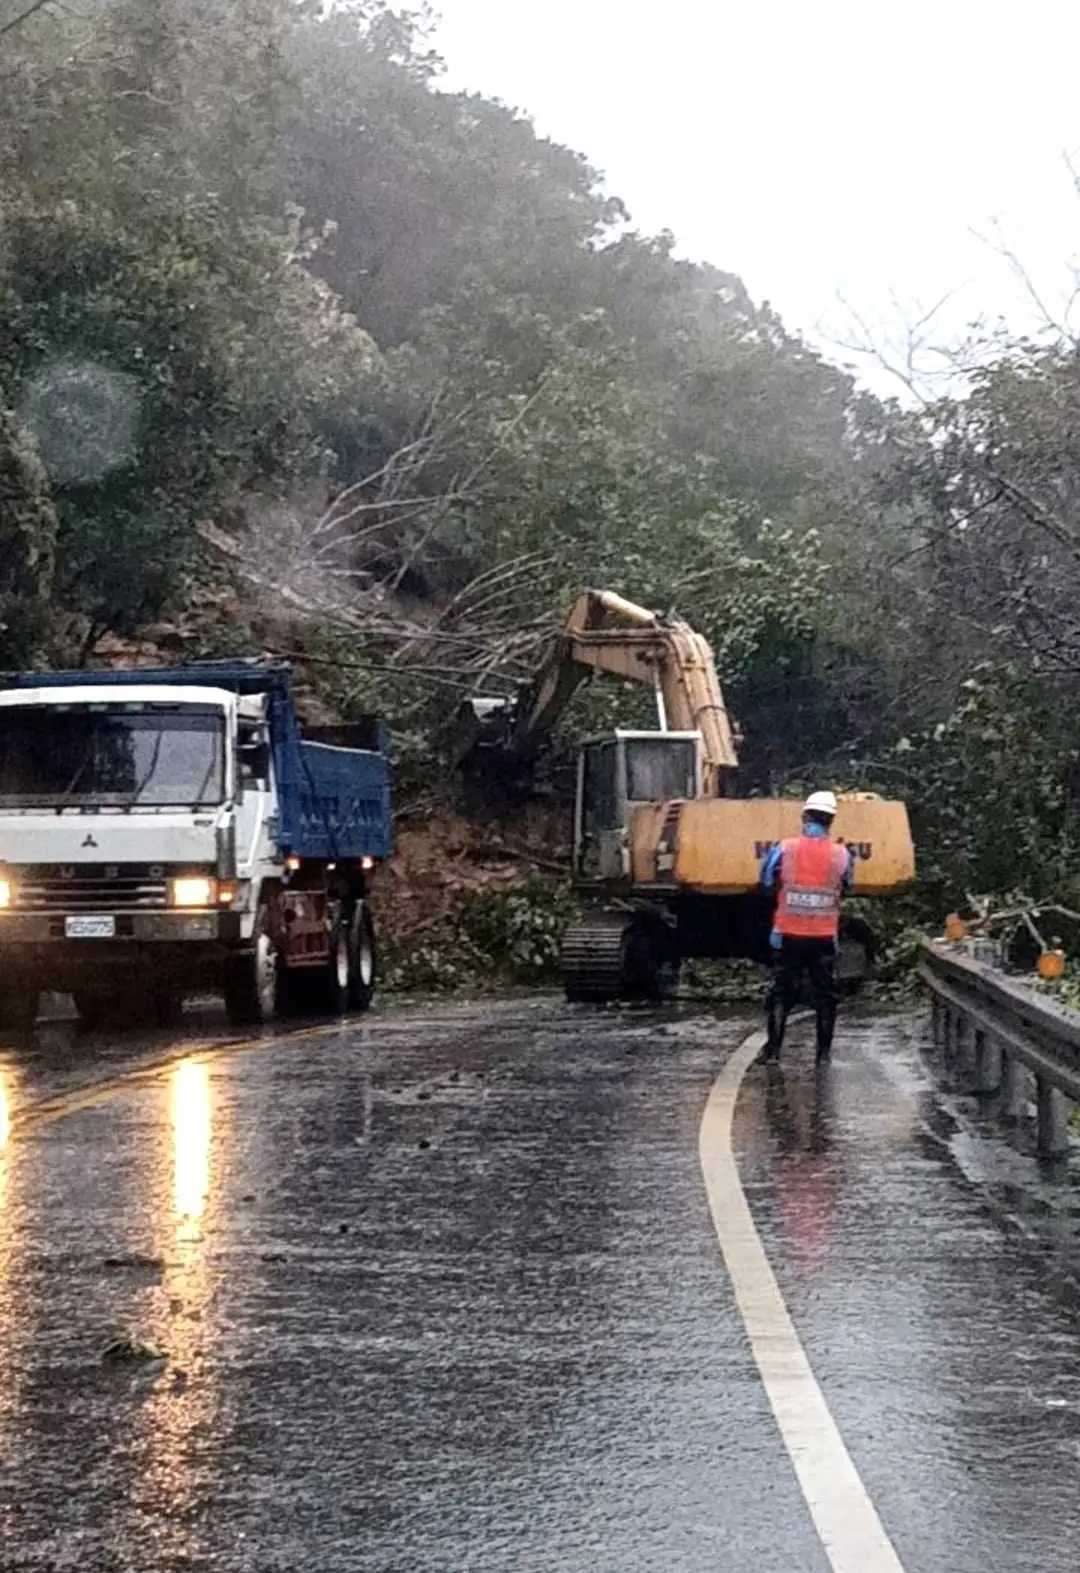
(300, 352)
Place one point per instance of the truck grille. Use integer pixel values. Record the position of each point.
(85, 889)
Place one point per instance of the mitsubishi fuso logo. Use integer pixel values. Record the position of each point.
(89, 842)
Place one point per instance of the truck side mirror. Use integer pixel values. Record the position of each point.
(254, 762)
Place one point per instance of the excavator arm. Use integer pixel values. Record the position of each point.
(605, 633)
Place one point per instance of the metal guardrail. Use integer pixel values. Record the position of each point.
(1007, 1037)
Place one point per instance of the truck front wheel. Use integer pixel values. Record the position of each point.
(251, 980)
(98, 1007)
(155, 1002)
(19, 1004)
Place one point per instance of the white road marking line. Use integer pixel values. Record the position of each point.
(846, 1520)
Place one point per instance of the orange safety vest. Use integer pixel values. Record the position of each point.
(812, 870)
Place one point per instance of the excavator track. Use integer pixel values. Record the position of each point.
(595, 958)
(618, 955)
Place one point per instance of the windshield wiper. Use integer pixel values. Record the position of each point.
(205, 782)
(148, 775)
(87, 757)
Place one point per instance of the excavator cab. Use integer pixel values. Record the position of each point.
(616, 774)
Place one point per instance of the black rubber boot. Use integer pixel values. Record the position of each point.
(826, 1027)
(776, 1017)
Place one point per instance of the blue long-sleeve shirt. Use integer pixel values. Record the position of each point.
(770, 870)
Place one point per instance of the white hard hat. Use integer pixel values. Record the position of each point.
(821, 803)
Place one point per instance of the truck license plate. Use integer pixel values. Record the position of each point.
(90, 927)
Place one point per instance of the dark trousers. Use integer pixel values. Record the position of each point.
(814, 959)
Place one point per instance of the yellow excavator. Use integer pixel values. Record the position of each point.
(667, 860)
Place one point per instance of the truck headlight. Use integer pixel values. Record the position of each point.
(193, 890)
(7, 894)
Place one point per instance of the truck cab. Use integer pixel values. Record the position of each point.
(162, 832)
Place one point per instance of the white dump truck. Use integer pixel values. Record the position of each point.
(166, 831)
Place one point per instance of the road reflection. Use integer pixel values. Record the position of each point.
(192, 1132)
(801, 1116)
(12, 1280)
(183, 1404)
(5, 1117)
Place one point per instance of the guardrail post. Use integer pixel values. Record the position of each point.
(987, 1063)
(964, 1038)
(1053, 1132)
(939, 1022)
(949, 1020)
(1013, 1089)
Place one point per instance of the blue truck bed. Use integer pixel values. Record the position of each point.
(335, 801)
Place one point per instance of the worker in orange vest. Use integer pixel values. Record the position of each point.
(810, 873)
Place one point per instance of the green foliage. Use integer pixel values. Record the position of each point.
(201, 203)
(625, 417)
(165, 367)
(734, 983)
(521, 930)
(496, 939)
(993, 790)
(27, 546)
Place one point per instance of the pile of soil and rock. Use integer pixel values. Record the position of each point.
(441, 860)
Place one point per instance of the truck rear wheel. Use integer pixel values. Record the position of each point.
(346, 981)
(251, 980)
(326, 990)
(364, 958)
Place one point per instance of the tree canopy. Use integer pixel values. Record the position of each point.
(273, 304)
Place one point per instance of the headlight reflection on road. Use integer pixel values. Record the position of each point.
(16, 1294)
(6, 1102)
(170, 1421)
(192, 1129)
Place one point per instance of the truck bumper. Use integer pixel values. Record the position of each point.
(189, 948)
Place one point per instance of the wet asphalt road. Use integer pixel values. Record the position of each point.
(440, 1292)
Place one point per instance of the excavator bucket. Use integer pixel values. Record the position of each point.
(481, 724)
(492, 770)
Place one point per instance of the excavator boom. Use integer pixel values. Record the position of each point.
(642, 647)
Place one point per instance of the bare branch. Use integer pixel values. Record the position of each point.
(23, 16)
(1022, 276)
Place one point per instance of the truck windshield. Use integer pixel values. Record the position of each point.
(158, 756)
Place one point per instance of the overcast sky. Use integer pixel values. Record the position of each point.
(845, 149)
